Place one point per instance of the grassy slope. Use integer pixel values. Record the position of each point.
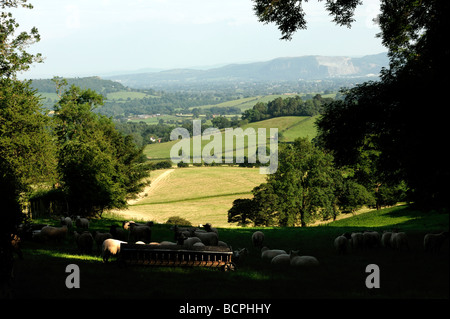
(406, 274)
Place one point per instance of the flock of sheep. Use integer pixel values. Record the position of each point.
(108, 243)
(396, 240)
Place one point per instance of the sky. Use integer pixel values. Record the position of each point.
(105, 37)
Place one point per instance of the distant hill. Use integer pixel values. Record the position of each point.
(281, 69)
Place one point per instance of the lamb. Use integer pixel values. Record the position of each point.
(50, 233)
(357, 241)
(82, 222)
(433, 242)
(341, 244)
(268, 254)
(66, 221)
(302, 261)
(140, 233)
(386, 239)
(110, 247)
(257, 239)
(399, 241)
(99, 238)
(84, 241)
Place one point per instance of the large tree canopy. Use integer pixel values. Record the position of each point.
(403, 114)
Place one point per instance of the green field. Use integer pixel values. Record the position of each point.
(291, 127)
(198, 194)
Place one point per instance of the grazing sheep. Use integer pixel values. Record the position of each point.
(140, 233)
(99, 238)
(66, 221)
(258, 239)
(357, 241)
(268, 254)
(117, 232)
(399, 241)
(433, 242)
(302, 261)
(282, 259)
(386, 239)
(84, 241)
(82, 222)
(371, 239)
(50, 233)
(341, 244)
(239, 256)
(189, 242)
(110, 247)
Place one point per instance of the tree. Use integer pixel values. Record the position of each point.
(402, 114)
(99, 168)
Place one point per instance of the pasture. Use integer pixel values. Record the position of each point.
(405, 274)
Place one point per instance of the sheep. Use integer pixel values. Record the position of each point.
(66, 221)
(99, 238)
(302, 261)
(140, 233)
(198, 244)
(208, 227)
(257, 239)
(189, 242)
(386, 239)
(110, 247)
(371, 239)
(82, 222)
(268, 254)
(209, 239)
(50, 233)
(433, 242)
(222, 244)
(399, 241)
(357, 241)
(117, 232)
(282, 259)
(165, 242)
(84, 241)
(126, 225)
(341, 244)
(239, 255)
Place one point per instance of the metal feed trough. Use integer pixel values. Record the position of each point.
(176, 255)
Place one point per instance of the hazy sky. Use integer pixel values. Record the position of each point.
(96, 37)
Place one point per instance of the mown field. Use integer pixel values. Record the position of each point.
(407, 274)
(198, 194)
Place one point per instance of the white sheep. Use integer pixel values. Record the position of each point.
(189, 242)
(209, 239)
(386, 239)
(110, 247)
(268, 254)
(165, 242)
(84, 241)
(281, 259)
(222, 244)
(82, 222)
(433, 242)
(302, 261)
(198, 244)
(357, 241)
(341, 244)
(258, 239)
(399, 241)
(50, 233)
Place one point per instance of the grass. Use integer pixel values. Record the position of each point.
(409, 274)
(198, 194)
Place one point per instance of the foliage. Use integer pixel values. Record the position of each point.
(177, 220)
(99, 167)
